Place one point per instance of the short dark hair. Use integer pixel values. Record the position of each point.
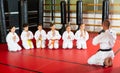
(25, 25)
(39, 24)
(106, 22)
(82, 24)
(51, 24)
(68, 25)
(11, 26)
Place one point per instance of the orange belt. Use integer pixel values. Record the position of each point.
(52, 42)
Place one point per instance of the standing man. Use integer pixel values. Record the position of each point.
(106, 40)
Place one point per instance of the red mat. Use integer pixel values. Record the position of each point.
(54, 61)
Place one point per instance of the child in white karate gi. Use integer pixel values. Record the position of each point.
(68, 37)
(40, 37)
(53, 36)
(12, 40)
(81, 36)
(27, 37)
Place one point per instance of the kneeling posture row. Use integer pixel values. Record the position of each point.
(105, 39)
(53, 37)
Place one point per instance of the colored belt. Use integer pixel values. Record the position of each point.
(105, 49)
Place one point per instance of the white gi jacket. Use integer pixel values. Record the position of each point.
(27, 41)
(68, 39)
(81, 41)
(12, 44)
(55, 37)
(106, 41)
(40, 43)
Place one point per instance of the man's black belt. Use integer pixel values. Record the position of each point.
(105, 49)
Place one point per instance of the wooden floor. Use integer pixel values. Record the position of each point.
(55, 61)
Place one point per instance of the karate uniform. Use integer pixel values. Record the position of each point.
(27, 41)
(53, 36)
(13, 44)
(106, 41)
(81, 41)
(68, 39)
(40, 42)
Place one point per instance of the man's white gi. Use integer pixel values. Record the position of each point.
(106, 41)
